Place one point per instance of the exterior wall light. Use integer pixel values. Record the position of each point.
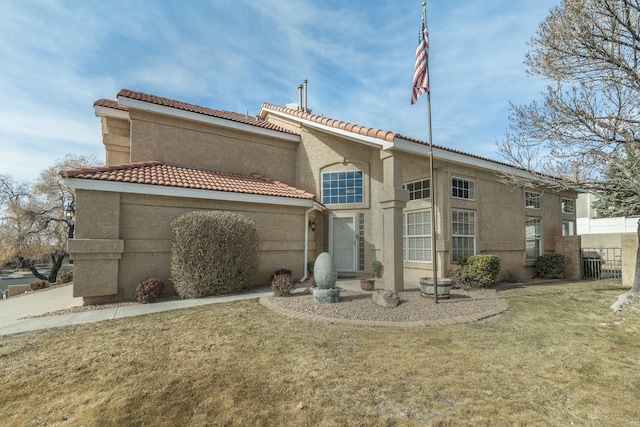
(312, 225)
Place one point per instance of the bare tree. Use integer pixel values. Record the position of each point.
(33, 224)
(587, 125)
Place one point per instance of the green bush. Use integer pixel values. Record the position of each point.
(476, 271)
(41, 284)
(282, 283)
(213, 253)
(550, 266)
(149, 290)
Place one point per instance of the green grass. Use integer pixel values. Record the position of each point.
(557, 357)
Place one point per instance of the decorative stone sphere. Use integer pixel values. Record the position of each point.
(325, 271)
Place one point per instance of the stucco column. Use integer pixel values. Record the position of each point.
(393, 200)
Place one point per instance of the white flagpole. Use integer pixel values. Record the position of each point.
(434, 252)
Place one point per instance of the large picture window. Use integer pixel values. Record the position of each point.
(342, 187)
(533, 233)
(418, 189)
(463, 234)
(463, 188)
(416, 237)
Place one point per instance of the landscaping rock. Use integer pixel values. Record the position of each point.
(387, 299)
(326, 296)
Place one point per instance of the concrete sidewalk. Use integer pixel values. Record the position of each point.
(14, 310)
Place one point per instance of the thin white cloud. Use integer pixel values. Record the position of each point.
(236, 54)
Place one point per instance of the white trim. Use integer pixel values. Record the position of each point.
(471, 199)
(203, 118)
(539, 198)
(162, 190)
(102, 111)
(473, 236)
(363, 139)
(354, 217)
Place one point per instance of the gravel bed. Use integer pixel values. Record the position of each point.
(413, 306)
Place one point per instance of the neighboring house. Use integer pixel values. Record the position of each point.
(597, 231)
(310, 183)
(615, 239)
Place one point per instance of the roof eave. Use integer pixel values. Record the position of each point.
(102, 111)
(363, 139)
(203, 118)
(191, 193)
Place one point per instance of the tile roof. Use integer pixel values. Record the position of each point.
(156, 173)
(109, 103)
(349, 127)
(367, 131)
(184, 106)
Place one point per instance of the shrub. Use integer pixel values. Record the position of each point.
(550, 266)
(282, 283)
(41, 284)
(476, 271)
(66, 278)
(213, 253)
(149, 290)
(285, 271)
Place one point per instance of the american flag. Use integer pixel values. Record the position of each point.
(421, 69)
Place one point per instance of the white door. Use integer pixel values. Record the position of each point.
(342, 241)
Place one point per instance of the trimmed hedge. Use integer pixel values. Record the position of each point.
(550, 266)
(476, 271)
(213, 253)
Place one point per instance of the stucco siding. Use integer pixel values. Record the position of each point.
(184, 143)
(144, 228)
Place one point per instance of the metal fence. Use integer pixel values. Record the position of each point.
(601, 263)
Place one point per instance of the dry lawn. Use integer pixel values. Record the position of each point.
(558, 357)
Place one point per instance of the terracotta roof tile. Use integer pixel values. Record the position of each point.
(184, 106)
(109, 104)
(362, 130)
(156, 173)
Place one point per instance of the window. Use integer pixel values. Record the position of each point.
(532, 200)
(534, 238)
(418, 189)
(342, 187)
(568, 206)
(463, 189)
(568, 228)
(417, 236)
(463, 234)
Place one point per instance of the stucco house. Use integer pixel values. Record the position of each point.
(310, 183)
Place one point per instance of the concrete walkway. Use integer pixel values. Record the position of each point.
(14, 310)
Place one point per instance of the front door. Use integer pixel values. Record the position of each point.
(342, 242)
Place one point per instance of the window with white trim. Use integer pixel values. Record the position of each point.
(463, 188)
(533, 235)
(418, 189)
(342, 187)
(532, 200)
(463, 234)
(416, 236)
(568, 206)
(568, 228)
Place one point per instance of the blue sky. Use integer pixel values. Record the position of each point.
(58, 57)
